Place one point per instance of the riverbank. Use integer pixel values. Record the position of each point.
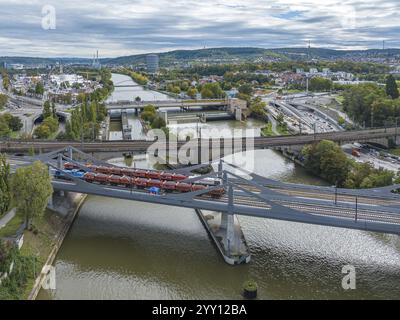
(52, 229)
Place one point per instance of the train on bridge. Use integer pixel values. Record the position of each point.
(139, 179)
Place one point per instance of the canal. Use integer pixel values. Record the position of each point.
(127, 250)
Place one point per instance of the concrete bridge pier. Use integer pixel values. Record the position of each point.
(225, 230)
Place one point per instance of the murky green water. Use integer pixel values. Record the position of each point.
(128, 250)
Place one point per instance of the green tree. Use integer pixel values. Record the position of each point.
(15, 123)
(320, 84)
(3, 100)
(31, 188)
(54, 110)
(257, 108)
(4, 128)
(392, 89)
(192, 92)
(158, 123)
(42, 132)
(52, 123)
(5, 193)
(212, 91)
(47, 110)
(39, 88)
(327, 159)
(246, 89)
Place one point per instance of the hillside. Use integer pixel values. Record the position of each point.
(221, 55)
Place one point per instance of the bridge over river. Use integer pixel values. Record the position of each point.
(246, 193)
(219, 145)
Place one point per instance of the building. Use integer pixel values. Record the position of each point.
(152, 63)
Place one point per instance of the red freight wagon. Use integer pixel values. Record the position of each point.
(89, 176)
(127, 172)
(103, 169)
(153, 174)
(178, 177)
(114, 180)
(116, 170)
(140, 182)
(101, 178)
(198, 187)
(166, 176)
(169, 185)
(126, 181)
(154, 183)
(183, 187)
(140, 173)
(69, 166)
(217, 193)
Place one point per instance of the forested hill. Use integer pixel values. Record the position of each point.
(250, 54)
(222, 55)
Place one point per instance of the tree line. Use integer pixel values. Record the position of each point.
(326, 159)
(371, 105)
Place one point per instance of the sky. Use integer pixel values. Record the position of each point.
(120, 27)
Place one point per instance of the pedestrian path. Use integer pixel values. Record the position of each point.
(7, 218)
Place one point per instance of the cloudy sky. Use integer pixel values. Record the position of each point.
(122, 27)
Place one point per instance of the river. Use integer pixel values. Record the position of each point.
(127, 250)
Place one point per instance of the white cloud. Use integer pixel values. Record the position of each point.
(126, 27)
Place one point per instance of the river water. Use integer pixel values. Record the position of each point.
(127, 250)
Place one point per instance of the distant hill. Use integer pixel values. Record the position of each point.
(219, 54)
(250, 54)
(35, 60)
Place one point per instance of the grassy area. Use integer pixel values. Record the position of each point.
(12, 227)
(38, 244)
(395, 151)
(267, 131)
(340, 99)
(15, 134)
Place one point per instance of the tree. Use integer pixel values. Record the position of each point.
(31, 188)
(3, 100)
(54, 110)
(246, 89)
(392, 89)
(327, 159)
(192, 92)
(158, 123)
(4, 128)
(257, 108)
(15, 124)
(39, 89)
(52, 123)
(42, 132)
(47, 110)
(212, 91)
(5, 193)
(358, 101)
(320, 84)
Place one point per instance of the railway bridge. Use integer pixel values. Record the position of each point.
(379, 136)
(245, 193)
